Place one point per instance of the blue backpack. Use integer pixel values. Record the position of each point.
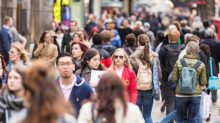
(187, 81)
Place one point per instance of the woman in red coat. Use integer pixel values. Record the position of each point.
(122, 66)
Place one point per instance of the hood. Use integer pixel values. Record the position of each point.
(79, 81)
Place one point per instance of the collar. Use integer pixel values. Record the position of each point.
(190, 57)
(6, 27)
(70, 85)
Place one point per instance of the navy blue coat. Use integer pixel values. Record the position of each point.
(80, 92)
(5, 43)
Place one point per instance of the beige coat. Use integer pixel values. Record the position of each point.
(48, 53)
(133, 114)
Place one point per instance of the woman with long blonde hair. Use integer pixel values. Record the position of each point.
(121, 65)
(17, 55)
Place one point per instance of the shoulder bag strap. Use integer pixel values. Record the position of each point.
(211, 67)
(183, 62)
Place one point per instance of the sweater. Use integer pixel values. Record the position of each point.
(81, 91)
(201, 74)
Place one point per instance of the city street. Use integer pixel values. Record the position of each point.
(157, 115)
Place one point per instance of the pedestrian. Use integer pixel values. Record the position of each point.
(59, 36)
(91, 61)
(75, 89)
(78, 50)
(84, 37)
(130, 42)
(124, 30)
(3, 72)
(44, 105)
(106, 38)
(168, 56)
(68, 36)
(144, 59)
(46, 50)
(54, 40)
(6, 38)
(214, 46)
(121, 65)
(111, 105)
(17, 55)
(12, 94)
(98, 44)
(188, 99)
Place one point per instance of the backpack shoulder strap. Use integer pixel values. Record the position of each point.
(183, 62)
(196, 66)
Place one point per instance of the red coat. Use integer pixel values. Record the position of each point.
(129, 77)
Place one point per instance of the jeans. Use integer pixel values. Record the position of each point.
(169, 97)
(214, 96)
(145, 103)
(188, 109)
(170, 117)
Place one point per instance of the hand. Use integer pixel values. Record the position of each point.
(1, 72)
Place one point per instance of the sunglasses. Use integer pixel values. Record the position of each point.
(116, 56)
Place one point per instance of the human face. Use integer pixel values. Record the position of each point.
(76, 51)
(14, 81)
(73, 26)
(119, 58)
(76, 37)
(94, 62)
(14, 55)
(65, 67)
(47, 38)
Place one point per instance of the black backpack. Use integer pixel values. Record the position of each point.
(171, 58)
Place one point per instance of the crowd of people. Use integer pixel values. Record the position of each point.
(136, 59)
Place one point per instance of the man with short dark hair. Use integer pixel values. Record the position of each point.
(73, 88)
(5, 38)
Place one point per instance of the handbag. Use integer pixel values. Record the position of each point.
(214, 82)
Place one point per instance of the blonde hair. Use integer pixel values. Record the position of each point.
(20, 48)
(192, 48)
(127, 62)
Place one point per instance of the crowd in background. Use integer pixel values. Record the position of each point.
(141, 56)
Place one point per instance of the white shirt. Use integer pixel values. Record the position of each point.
(66, 90)
(119, 71)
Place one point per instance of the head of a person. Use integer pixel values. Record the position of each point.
(144, 55)
(82, 34)
(45, 37)
(73, 26)
(77, 37)
(183, 23)
(209, 33)
(97, 39)
(173, 36)
(18, 53)
(65, 65)
(160, 36)
(78, 49)
(194, 38)
(192, 49)
(125, 23)
(8, 21)
(120, 58)
(42, 97)
(15, 80)
(143, 39)
(108, 24)
(92, 17)
(2, 63)
(53, 35)
(138, 24)
(146, 25)
(106, 36)
(177, 24)
(130, 39)
(92, 58)
(110, 90)
(59, 30)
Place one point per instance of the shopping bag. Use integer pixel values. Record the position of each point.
(205, 105)
(214, 82)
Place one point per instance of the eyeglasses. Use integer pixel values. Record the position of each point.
(116, 56)
(65, 64)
